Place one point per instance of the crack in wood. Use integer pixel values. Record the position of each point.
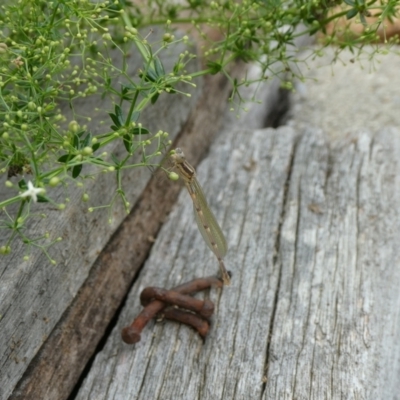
(276, 263)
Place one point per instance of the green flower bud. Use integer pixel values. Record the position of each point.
(173, 176)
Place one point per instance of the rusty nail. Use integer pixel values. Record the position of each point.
(203, 307)
(131, 334)
(201, 325)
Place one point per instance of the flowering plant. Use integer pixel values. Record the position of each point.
(58, 52)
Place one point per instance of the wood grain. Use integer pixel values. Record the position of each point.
(245, 182)
(313, 309)
(337, 309)
(54, 374)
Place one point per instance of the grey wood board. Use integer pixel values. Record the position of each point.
(34, 294)
(313, 310)
(54, 375)
(244, 179)
(336, 329)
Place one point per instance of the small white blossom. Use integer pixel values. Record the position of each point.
(32, 192)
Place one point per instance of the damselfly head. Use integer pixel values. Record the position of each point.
(177, 155)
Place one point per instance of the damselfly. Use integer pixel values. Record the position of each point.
(205, 219)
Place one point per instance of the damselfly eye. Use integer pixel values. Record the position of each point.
(179, 155)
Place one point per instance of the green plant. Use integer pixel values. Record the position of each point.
(54, 52)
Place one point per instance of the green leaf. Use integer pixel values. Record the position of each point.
(128, 142)
(42, 199)
(150, 75)
(65, 158)
(135, 116)
(95, 147)
(351, 13)
(214, 66)
(115, 159)
(87, 140)
(76, 171)
(140, 131)
(350, 2)
(155, 98)
(159, 67)
(124, 90)
(115, 120)
(22, 184)
(119, 114)
(76, 141)
(127, 91)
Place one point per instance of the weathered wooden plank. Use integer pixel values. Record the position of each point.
(34, 294)
(313, 309)
(336, 321)
(345, 100)
(54, 374)
(244, 177)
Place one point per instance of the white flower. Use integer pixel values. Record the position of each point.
(32, 192)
